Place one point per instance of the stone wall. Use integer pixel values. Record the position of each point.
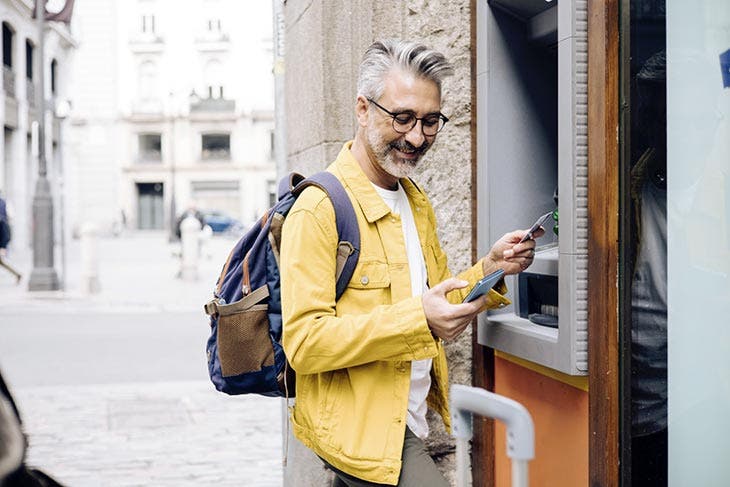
(325, 40)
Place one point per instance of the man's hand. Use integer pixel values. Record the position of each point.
(447, 320)
(510, 255)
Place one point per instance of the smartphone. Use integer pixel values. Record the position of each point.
(536, 225)
(484, 285)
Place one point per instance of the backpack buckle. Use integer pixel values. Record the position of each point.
(211, 307)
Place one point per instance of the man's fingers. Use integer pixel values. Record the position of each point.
(449, 285)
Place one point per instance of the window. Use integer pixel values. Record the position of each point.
(215, 92)
(148, 24)
(216, 146)
(7, 45)
(214, 25)
(28, 59)
(272, 144)
(150, 148)
(54, 76)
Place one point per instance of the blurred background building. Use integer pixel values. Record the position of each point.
(19, 112)
(172, 106)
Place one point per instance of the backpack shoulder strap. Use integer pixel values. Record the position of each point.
(348, 232)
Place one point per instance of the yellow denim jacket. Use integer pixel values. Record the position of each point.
(353, 359)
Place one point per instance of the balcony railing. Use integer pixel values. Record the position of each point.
(30, 92)
(216, 155)
(149, 157)
(216, 105)
(9, 81)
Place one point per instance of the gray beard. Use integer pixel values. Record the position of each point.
(385, 157)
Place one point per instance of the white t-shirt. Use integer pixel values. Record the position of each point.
(397, 201)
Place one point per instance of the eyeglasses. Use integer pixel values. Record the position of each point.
(403, 122)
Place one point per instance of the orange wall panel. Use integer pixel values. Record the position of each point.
(560, 414)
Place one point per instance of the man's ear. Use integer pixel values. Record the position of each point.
(362, 107)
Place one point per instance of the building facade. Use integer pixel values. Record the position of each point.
(19, 111)
(175, 108)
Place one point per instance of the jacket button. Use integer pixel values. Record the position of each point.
(364, 280)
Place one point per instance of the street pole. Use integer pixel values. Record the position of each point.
(61, 111)
(43, 277)
(173, 210)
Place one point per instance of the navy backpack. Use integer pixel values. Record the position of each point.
(244, 348)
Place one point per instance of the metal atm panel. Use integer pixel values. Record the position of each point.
(532, 151)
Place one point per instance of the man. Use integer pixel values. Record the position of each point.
(369, 365)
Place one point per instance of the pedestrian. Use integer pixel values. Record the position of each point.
(5, 237)
(368, 366)
(190, 210)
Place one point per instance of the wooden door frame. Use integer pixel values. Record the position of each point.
(603, 257)
(603, 243)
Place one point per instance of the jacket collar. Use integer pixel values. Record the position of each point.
(354, 178)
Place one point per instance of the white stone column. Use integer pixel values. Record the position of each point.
(190, 248)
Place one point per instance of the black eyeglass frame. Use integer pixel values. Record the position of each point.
(416, 119)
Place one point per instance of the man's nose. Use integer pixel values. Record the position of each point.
(415, 136)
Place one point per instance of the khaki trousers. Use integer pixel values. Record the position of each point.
(418, 468)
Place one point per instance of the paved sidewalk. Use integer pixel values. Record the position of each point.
(153, 435)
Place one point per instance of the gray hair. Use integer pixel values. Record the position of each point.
(382, 56)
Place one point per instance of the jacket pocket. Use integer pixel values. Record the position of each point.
(370, 275)
(369, 287)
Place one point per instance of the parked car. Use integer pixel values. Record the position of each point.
(222, 223)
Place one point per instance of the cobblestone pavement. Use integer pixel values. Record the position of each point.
(133, 432)
(152, 434)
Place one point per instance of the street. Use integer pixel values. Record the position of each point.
(113, 387)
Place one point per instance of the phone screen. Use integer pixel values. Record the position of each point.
(536, 225)
(484, 285)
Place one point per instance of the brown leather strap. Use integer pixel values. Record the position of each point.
(246, 303)
(344, 249)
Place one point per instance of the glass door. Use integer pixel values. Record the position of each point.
(676, 243)
(698, 240)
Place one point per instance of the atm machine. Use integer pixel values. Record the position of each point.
(532, 159)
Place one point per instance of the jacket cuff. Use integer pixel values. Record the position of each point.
(418, 338)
